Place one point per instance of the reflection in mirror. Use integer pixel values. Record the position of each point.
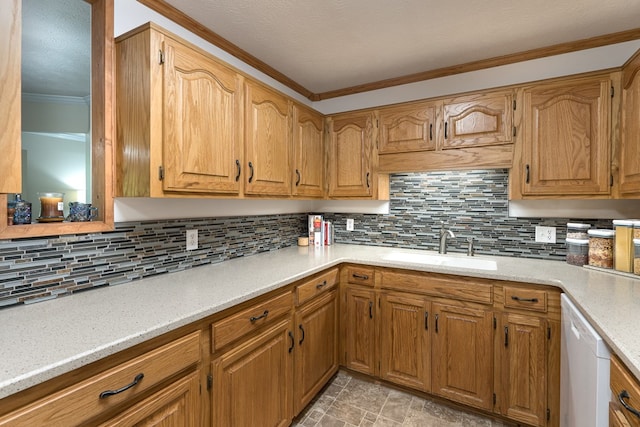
(56, 100)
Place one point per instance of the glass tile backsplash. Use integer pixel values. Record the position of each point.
(471, 203)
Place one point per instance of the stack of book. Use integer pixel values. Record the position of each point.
(320, 231)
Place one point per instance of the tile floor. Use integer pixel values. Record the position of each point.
(349, 401)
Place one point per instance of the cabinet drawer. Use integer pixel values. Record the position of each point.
(310, 288)
(623, 381)
(81, 402)
(360, 275)
(235, 326)
(525, 299)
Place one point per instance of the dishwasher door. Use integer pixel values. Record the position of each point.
(584, 368)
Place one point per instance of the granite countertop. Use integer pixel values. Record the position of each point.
(46, 339)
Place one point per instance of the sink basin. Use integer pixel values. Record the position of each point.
(443, 260)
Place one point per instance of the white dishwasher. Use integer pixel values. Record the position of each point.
(584, 372)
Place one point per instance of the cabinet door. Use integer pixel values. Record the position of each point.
(253, 381)
(175, 405)
(201, 116)
(316, 358)
(463, 354)
(524, 369)
(359, 339)
(405, 348)
(630, 142)
(566, 143)
(411, 128)
(477, 120)
(268, 142)
(350, 156)
(308, 153)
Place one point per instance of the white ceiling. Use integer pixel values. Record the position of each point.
(327, 45)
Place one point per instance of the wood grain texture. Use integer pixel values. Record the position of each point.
(311, 288)
(621, 379)
(10, 98)
(360, 330)
(407, 128)
(308, 153)
(629, 173)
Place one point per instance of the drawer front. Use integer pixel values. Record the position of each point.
(525, 299)
(310, 288)
(239, 324)
(360, 275)
(82, 402)
(461, 288)
(623, 381)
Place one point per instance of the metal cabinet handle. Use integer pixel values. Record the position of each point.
(431, 132)
(368, 186)
(251, 172)
(298, 179)
(293, 341)
(301, 329)
(526, 169)
(360, 276)
(253, 319)
(426, 320)
(370, 309)
(321, 285)
(517, 298)
(506, 336)
(135, 381)
(445, 129)
(436, 323)
(624, 394)
(238, 167)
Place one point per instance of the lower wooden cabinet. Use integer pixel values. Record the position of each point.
(252, 382)
(359, 339)
(462, 353)
(316, 353)
(624, 408)
(405, 342)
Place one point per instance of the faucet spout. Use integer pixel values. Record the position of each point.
(444, 233)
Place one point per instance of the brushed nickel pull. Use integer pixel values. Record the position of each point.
(135, 381)
(253, 319)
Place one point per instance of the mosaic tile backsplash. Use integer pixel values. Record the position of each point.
(472, 203)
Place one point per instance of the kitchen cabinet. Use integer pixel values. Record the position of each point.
(168, 372)
(360, 312)
(252, 382)
(316, 356)
(178, 118)
(527, 355)
(468, 131)
(566, 142)
(267, 141)
(102, 123)
(308, 153)
(405, 341)
(625, 388)
(629, 173)
(462, 353)
(353, 158)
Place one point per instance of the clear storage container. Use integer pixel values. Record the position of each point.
(576, 230)
(623, 249)
(601, 248)
(577, 251)
(636, 229)
(636, 257)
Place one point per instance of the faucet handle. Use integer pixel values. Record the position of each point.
(470, 250)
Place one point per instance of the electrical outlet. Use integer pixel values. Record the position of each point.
(545, 234)
(349, 224)
(192, 239)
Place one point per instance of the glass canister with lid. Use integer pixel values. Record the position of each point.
(601, 248)
(623, 249)
(576, 230)
(636, 256)
(577, 251)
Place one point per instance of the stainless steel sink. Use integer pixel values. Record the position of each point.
(443, 260)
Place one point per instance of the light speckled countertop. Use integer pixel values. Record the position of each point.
(47, 339)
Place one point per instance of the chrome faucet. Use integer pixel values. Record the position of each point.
(444, 232)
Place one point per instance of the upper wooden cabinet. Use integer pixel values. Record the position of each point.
(308, 152)
(566, 144)
(629, 173)
(353, 158)
(465, 132)
(267, 141)
(177, 120)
